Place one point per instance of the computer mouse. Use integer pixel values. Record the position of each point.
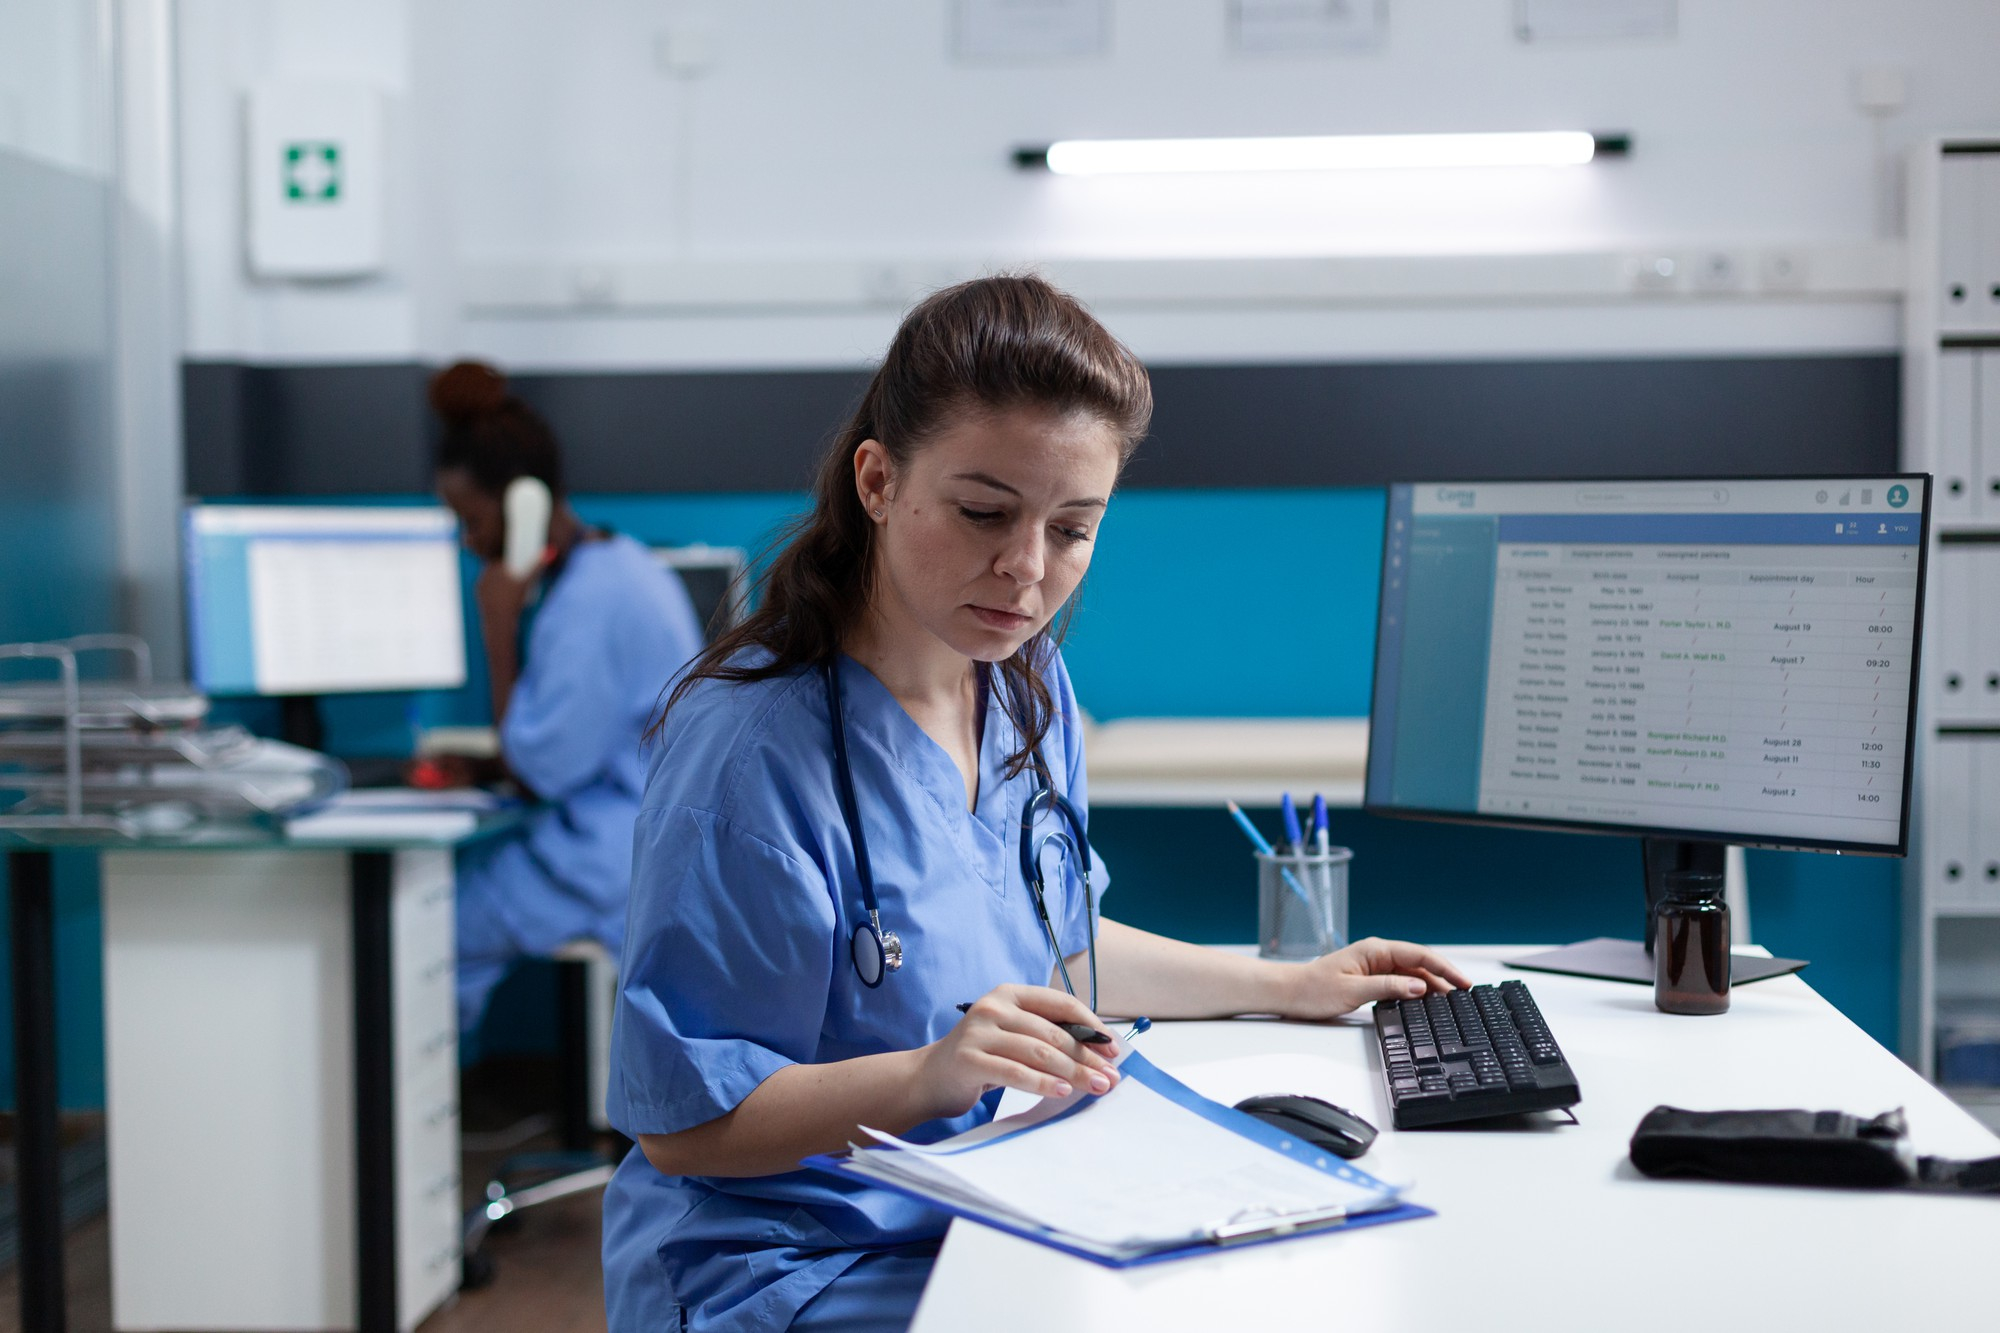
(1319, 1123)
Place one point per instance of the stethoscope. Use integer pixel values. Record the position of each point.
(877, 952)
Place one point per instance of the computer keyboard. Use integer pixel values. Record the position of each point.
(1470, 1054)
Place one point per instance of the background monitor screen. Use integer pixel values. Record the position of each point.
(1729, 660)
(314, 600)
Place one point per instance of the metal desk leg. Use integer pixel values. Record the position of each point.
(37, 1149)
(370, 876)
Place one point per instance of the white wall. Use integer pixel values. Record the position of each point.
(545, 138)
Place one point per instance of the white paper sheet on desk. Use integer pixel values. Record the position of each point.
(396, 825)
(1155, 1172)
(476, 799)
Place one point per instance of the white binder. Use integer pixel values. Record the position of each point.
(1986, 436)
(1979, 604)
(1960, 181)
(1986, 299)
(1948, 661)
(1959, 479)
(1948, 795)
(1984, 820)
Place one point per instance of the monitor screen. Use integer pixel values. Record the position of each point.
(1728, 660)
(313, 600)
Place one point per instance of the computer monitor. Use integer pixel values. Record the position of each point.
(296, 600)
(716, 579)
(1697, 663)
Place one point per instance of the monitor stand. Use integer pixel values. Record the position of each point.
(1632, 960)
(300, 721)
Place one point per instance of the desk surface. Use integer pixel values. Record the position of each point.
(250, 836)
(1542, 1224)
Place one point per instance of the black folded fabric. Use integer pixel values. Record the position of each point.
(1799, 1148)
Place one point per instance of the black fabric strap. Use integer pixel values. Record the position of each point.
(1948, 1175)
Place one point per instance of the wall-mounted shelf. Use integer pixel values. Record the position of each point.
(1205, 761)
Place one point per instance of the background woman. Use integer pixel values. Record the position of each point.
(923, 598)
(575, 653)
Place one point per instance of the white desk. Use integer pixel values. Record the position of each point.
(1547, 1225)
(1203, 761)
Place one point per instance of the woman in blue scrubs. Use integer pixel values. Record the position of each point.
(604, 625)
(923, 598)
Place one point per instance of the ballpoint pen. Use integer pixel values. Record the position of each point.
(1330, 934)
(1295, 841)
(1082, 1032)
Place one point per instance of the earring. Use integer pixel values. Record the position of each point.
(878, 513)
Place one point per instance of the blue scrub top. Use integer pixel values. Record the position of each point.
(736, 964)
(613, 627)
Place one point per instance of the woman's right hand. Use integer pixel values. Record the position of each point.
(1009, 1039)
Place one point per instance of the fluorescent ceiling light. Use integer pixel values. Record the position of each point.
(1344, 152)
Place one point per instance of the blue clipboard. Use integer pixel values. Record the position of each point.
(1136, 1066)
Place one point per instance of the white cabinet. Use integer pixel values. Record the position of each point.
(230, 985)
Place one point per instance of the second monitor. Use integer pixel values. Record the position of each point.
(1695, 662)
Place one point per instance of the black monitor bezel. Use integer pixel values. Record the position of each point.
(1900, 848)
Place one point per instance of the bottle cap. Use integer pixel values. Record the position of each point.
(1692, 885)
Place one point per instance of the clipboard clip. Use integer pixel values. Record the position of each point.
(1263, 1224)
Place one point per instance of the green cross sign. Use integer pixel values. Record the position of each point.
(312, 172)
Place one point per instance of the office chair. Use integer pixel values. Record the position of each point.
(586, 979)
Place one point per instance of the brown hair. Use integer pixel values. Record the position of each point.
(489, 432)
(990, 345)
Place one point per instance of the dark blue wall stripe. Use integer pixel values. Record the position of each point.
(322, 430)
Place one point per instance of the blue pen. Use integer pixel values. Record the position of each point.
(1296, 841)
(1258, 841)
(1322, 851)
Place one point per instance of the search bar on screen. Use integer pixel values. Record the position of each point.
(1652, 497)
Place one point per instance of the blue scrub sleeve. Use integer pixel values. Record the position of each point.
(569, 708)
(728, 964)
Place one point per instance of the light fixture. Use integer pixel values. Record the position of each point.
(1341, 152)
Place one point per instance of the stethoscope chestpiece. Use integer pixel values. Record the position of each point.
(876, 952)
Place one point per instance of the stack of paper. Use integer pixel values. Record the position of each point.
(393, 814)
(1146, 1170)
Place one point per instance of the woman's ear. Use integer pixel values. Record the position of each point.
(874, 479)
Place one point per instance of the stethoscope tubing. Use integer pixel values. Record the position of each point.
(876, 952)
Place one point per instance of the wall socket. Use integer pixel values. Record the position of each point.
(1719, 271)
(1783, 271)
(1655, 272)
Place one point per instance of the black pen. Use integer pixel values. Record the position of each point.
(1083, 1032)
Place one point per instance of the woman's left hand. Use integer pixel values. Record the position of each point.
(500, 597)
(1364, 972)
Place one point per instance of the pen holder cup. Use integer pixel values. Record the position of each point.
(1302, 903)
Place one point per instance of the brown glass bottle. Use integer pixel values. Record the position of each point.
(1691, 946)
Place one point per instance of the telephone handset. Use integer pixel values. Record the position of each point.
(527, 507)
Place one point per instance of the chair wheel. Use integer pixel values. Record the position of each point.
(476, 1270)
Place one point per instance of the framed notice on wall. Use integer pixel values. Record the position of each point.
(1284, 27)
(313, 174)
(1024, 31)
